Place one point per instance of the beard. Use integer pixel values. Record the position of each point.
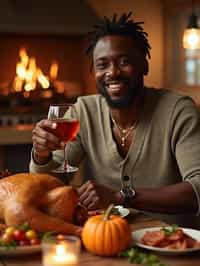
(134, 90)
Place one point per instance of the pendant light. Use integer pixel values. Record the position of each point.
(191, 36)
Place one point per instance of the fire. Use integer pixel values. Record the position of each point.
(28, 75)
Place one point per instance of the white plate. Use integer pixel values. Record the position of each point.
(122, 211)
(138, 234)
(23, 250)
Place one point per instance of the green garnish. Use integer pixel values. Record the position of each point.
(170, 230)
(24, 227)
(47, 236)
(10, 245)
(134, 255)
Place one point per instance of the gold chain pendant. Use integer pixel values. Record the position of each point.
(124, 133)
(123, 141)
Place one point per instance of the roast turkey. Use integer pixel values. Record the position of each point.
(41, 200)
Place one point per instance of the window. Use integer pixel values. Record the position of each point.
(182, 65)
(192, 67)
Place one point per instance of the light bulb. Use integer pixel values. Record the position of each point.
(191, 38)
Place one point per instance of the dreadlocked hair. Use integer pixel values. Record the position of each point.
(123, 26)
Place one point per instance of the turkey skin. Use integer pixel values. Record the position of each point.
(41, 200)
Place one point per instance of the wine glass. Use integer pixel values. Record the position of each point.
(64, 115)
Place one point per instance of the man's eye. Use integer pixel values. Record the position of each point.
(124, 61)
(101, 65)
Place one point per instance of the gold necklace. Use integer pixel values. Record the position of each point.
(124, 132)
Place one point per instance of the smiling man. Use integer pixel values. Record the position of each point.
(118, 79)
(142, 144)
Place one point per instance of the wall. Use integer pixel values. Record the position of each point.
(46, 16)
(151, 13)
(176, 14)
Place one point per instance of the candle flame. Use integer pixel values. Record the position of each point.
(60, 250)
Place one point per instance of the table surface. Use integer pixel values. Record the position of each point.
(137, 221)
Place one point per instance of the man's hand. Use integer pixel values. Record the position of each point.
(44, 142)
(95, 196)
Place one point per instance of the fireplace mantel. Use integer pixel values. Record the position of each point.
(46, 17)
(16, 135)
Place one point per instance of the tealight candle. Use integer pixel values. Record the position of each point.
(61, 252)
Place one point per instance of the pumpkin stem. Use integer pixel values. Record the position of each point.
(108, 212)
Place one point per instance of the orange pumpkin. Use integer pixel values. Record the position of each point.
(106, 234)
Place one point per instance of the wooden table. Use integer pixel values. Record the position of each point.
(137, 221)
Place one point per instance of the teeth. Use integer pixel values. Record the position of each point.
(113, 86)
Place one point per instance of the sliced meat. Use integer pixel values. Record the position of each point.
(153, 238)
(177, 235)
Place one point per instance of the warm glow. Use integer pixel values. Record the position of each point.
(18, 83)
(29, 86)
(191, 39)
(24, 57)
(33, 68)
(60, 250)
(53, 70)
(21, 71)
(26, 94)
(28, 74)
(61, 257)
(47, 94)
(43, 80)
(32, 63)
(60, 87)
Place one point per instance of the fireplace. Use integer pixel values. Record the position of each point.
(51, 32)
(60, 59)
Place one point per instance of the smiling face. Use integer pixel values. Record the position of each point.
(119, 69)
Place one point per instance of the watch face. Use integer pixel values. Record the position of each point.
(129, 192)
(128, 195)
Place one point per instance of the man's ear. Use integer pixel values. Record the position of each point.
(146, 67)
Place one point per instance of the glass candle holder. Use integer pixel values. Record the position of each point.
(61, 251)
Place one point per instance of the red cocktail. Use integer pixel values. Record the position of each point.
(65, 117)
(66, 129)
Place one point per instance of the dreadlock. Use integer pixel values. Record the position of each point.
(121, 26)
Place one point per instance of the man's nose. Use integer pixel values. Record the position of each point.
(113, 70)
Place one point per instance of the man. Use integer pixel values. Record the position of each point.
(129, 131)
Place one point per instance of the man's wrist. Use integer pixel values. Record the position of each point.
(38, 159)
(126, 198)
(119, 198)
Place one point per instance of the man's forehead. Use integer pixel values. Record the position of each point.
(114, 43)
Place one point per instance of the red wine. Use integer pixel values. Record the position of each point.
(66, 130)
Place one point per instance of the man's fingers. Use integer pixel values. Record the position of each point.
(88, 185)
(94, 204)
(44, 144)
(92, 197)
(41, 137)
(46, 123)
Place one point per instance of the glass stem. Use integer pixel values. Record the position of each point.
(65, 158)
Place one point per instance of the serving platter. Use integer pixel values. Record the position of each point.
(19, 250)
(138, 235)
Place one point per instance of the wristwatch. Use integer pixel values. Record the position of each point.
(127, 192)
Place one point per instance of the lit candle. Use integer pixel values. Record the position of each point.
(60, 257)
